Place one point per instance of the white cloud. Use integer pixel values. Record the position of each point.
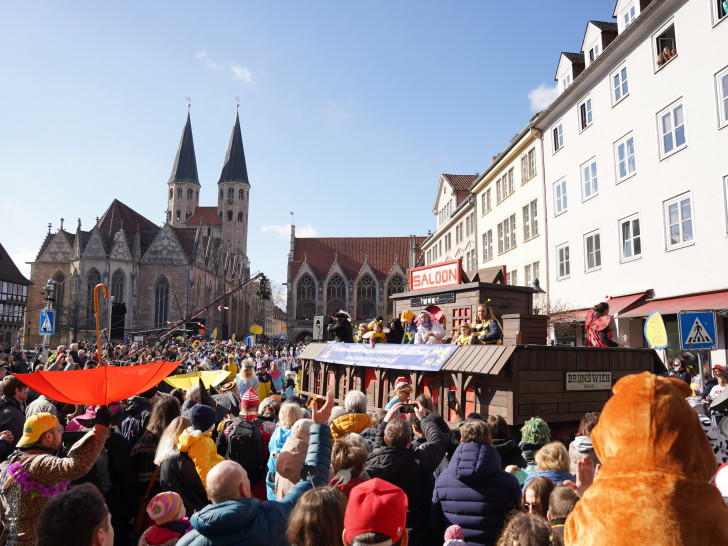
(241, 73)
(542, 96)
(339, 111)
(238, 72)
(284, 231)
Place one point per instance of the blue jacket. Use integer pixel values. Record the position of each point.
(556, 476)
(280, 435)
(250, 522)
(474, 493)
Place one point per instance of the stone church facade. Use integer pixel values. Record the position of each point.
(160, 274)
(356, 274)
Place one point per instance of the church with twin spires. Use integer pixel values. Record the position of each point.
(159, 273)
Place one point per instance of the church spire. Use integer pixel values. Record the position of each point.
(185, 164)
(235, 169)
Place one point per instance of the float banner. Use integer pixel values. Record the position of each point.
(588, 381)
(430, 358)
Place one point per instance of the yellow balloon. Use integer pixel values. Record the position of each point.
(256, 329)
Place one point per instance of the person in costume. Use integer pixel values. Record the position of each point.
(363, 329)
(408, 325)
(378, 335)
(395, 331)
(430, 331)
(341, 327)
(598, 326)
(466, 335)
(231, 367)
(277, 377)
(265, 382)
(248, 378)
(197, 442)
(402, 392)
(487, 329)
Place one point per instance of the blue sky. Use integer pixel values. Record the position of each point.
(350, 110)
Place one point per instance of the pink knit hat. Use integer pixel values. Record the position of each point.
(250, 398)
(454, 536)
(166, 507)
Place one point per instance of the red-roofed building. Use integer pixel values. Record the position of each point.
(160, 274)
(354, 274)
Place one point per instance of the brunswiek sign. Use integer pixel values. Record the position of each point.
(588, 381)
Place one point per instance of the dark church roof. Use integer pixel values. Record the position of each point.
(117, 215)
(185, 164)
(234, 169)
(351, 253)
(9, 272)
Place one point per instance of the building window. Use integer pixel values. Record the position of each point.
(117, 287)
(60, 292)
(665, 45)
(589, 182)
(530, 220)
(560, 203)
(471, 260)
(187, 215)
(488, 245)
(722, 85)
(241, 194)
(679, 221)
(230, 215)
(189, 194)
(594, 52)
(565, 81)
(179, 193)
(558, 136)
(240, 216)
(671, 126)
(178, 215)
(485, 201)
(532, 273)
(366, 295)
(504, 185)
(620, 84)
(512, 277)
(532, 161)
(719, 11)
(585, 114)
(305, 298)
(562, 261)
(725, 196)
(161, 303)
(507, 234)
(630, 238)
(335, 295)
(171, 193)
(627, 16)
(231, 193)
(221, 194)
(395, 286)
(592, 251)
(625, 157)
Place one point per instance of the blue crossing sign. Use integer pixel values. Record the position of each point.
(697, 330)
(47, 322)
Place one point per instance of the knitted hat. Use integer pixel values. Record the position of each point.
(376, 506)
(166, 507)
(454, 536)
(202, 417)
(250, 398)
(400, 382)
(262, 364)
(535, 431)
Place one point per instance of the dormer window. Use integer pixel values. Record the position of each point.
(594, 53)
(720, 11)
(566, 81)
(627, 17)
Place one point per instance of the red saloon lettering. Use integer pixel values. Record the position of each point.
(435, 276)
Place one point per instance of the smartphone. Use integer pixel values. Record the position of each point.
(408, 408)
(451, 395)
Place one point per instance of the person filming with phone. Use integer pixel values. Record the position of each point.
(392, 460)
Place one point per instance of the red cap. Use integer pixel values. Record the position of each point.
(376, 506)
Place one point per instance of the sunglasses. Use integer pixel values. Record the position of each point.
(530, 505)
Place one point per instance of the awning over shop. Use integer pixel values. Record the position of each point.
(617, 307)
(671, 306)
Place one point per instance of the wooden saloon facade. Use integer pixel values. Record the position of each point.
(520, 379)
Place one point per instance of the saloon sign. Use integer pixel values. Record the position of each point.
(435, 276)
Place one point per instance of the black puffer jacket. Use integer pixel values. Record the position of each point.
(509, 453)
(412, 470)
(177, 473)
(342, 331)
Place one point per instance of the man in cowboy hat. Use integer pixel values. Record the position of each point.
(341, 328)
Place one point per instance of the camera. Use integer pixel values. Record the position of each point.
(408, 408)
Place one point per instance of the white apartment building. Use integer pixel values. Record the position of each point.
(455, 234)
(636, 165)
(509, 200)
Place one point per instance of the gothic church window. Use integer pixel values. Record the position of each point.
(335, 295)
(161, 303)
(179, 193)
(189, 194)
(117, 287)
(366, 294)
(306, 296)
(92, 279)
(241, 194)
(230, 215)
(171, 193)
(179, 214)
(231, 193)
(240, 216)
(396, 285)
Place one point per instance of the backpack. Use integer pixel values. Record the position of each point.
(245, 446)
(132, 430)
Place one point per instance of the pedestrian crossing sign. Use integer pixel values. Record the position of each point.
(697, 330)
(47, 322)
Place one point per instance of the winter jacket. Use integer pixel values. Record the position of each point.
(412, 470)
(509, 453)
(42, 404)
(348, 423)
(277, 441)
(581, 446)
(342, 331)
(556, 476)
(264, 386)
(165, 535)
(474, 493)
(201, 449)
(279, 381)
(142, 462)
(654, 485)
(370, 435)
(289, 463)
(177, 473)
(12, 417)
(140, 410)
(248, 522)
(22, 508)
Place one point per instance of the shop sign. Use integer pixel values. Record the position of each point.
(436, 275)
(588, 381)
(435, 299)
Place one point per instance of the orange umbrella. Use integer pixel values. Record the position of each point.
(98, 386)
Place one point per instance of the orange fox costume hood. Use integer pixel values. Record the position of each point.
(656, 464)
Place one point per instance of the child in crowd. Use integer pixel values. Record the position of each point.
(167, 511)
(197, 442)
